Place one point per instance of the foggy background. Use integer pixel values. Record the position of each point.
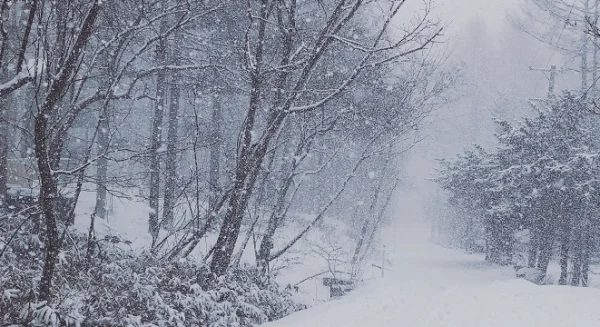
(483, 38)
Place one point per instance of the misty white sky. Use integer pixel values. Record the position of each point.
(458, 12)
(500, 72)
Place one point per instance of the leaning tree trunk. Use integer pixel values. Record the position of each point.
(278, 212)
(248, 162)
(266, 244)
(354, 263)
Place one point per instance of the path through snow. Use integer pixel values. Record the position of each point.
(431, 286)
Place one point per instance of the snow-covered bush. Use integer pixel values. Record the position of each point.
(115, 287)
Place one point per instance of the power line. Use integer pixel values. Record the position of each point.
(561, 33)
(552, 80)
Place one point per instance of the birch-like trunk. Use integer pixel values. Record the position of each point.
(216, 144)
(102, 164)
(172, 131)
(156, 137)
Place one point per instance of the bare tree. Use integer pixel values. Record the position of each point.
(48, 190)
(292, 78)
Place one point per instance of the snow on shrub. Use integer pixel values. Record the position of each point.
(117, 288)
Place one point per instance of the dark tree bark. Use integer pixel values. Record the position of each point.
(48, 188)
(245, 174)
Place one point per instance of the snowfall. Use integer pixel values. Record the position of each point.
(432, 286)
(424, 284)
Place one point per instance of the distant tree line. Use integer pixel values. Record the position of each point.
(535, 196)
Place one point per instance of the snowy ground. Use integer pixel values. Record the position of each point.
(319, 252)
(425, 285)
(431, 286)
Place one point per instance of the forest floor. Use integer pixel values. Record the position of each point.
(431, 286)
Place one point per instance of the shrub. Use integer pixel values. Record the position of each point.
(117, 287)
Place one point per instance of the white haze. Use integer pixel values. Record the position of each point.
(495, 56)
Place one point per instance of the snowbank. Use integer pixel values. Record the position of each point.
(436, 287)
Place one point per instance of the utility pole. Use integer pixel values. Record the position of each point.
(383, 263)
(551, 81)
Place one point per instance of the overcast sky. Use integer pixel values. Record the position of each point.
(458, 12)
(508, 55)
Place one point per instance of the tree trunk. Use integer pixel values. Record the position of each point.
(469, 235)
(534, 244)
(564, 250)
(578, 230)
(171, 158)
(48, 194)
(247, 171)
(577, 257)
(238, 256)
(545, 253)
(3, 150)
(172, 132)
(48, 188)
(358, 248)
(364, 230)
(215, 155)
(156, 137)
(266, 244)
(102, 164)
(26, 141)
(246, 174)
(4, 140)
(584, 53)
(586, 257)
(248, 162)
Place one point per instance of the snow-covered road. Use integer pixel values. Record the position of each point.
(431, 286)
